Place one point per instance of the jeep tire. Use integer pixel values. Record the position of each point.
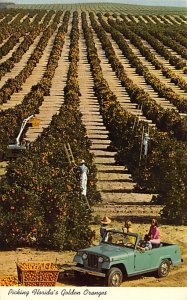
(114, 277)
(164, 268)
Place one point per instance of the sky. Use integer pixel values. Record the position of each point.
(179, 3)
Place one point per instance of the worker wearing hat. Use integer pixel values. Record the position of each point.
(145, 143)
(128, 229)
(128, 226)
(83, 177)
(104, 222)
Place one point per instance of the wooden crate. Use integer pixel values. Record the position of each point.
(8, 281)
(37, 274)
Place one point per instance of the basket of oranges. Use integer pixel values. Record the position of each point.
(37, 273)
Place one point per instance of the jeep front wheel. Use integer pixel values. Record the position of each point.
(114, 277)
(164, 268)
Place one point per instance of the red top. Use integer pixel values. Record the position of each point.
(154, 232)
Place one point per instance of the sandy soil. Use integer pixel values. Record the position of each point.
(176, 278)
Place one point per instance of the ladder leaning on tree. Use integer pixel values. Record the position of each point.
(71, 161)
(69, 154)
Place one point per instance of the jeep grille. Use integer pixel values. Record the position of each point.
(93, 261)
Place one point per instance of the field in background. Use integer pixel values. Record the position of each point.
(106, 7)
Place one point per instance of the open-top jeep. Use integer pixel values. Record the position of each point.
(119, 255)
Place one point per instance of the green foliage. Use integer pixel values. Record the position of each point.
(174, 210)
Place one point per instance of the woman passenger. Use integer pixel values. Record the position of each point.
(154, 234)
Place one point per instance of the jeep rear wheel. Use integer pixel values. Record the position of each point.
(114, 277)
(164, 268)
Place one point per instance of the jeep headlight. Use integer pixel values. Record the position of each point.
(84, 256)
(100, 259)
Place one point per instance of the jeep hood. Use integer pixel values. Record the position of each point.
(112, 251)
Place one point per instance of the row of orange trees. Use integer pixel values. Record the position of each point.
(163, 90)
(164, 171)
(169, 42)
(14, 84)
(166, 120)
(145, 51)
(157, 44)
(179, 37)
(14, 38)
(41, 201)
(153, 19)
(31, 33)
(8, 29)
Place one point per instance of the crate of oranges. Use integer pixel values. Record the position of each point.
(8, 281)
(37, 273)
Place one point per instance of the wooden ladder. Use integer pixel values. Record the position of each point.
(69, 154)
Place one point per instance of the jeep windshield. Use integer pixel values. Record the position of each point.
(120, 239)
